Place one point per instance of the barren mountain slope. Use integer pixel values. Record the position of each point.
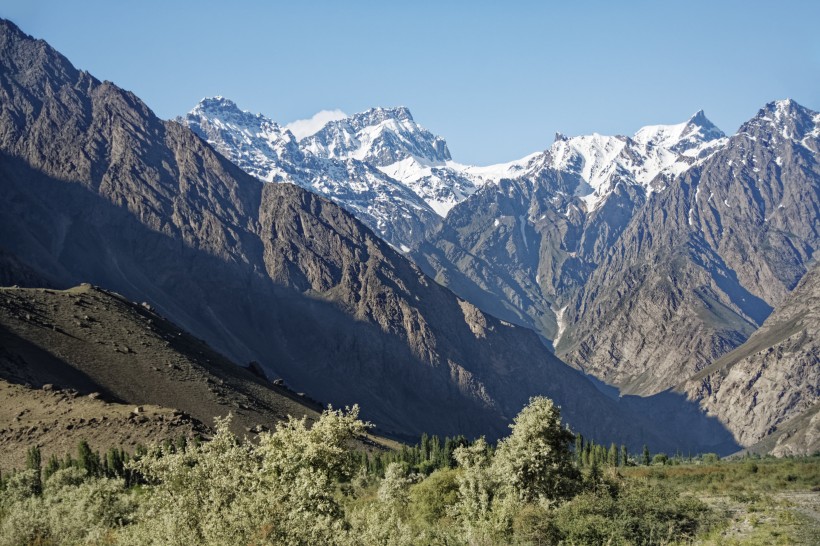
(703, 263)
(771, 379)
(60, 346)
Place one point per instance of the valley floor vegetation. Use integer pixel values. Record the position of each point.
(309, 485)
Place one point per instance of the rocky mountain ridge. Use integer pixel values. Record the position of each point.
(706, 260)
(761, 388)
(648, 159)
(415, 160)
(640, 279)
(99, 189)
(541, 243)
(656, 280)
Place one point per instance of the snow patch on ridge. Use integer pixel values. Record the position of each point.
(560, 319)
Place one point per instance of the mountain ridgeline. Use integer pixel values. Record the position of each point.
(766, 389)
(97, 189)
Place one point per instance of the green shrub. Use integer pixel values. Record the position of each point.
(710, 458)
(660, 459)
(433, 497)
(638, 513)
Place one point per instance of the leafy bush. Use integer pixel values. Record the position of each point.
(660, 459)
(432, 498)
(637, 513)
(73, 509)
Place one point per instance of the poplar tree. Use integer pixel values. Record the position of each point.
(613, 455)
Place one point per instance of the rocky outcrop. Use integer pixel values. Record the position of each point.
(703, 263)
(770, 385)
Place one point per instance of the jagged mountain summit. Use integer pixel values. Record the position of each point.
(270, 152)
(391, 140)
(257, 144)
(707, 259)
(648, 159)
(522, 245)
(394, 175)
(397, 177)
(380, 136)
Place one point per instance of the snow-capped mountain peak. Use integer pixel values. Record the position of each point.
(680, 137)
(602, 161)
(215, 104)
(252, 141)
(392, 141)
(374, 116)
(784, 119)
(271, 153)
(380, 136)
(228, 113)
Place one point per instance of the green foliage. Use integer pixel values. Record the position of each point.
(535, 524)
(302, 484)
(710, 458)
(660, 459)
(34, 462)
(432, 497)
(34, 459)
(634, 513)
(736, 477)
(74, 508)
(281, 491)
(535, 460)
(477, 486)
(430, 454)
(394, 491)
(88, 460)
(613, 457)
(588, 453)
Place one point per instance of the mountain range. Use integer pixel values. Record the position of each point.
(363, 264)
(98, 189)
(598, 239)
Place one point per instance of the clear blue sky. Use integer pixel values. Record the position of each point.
(497, 80)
